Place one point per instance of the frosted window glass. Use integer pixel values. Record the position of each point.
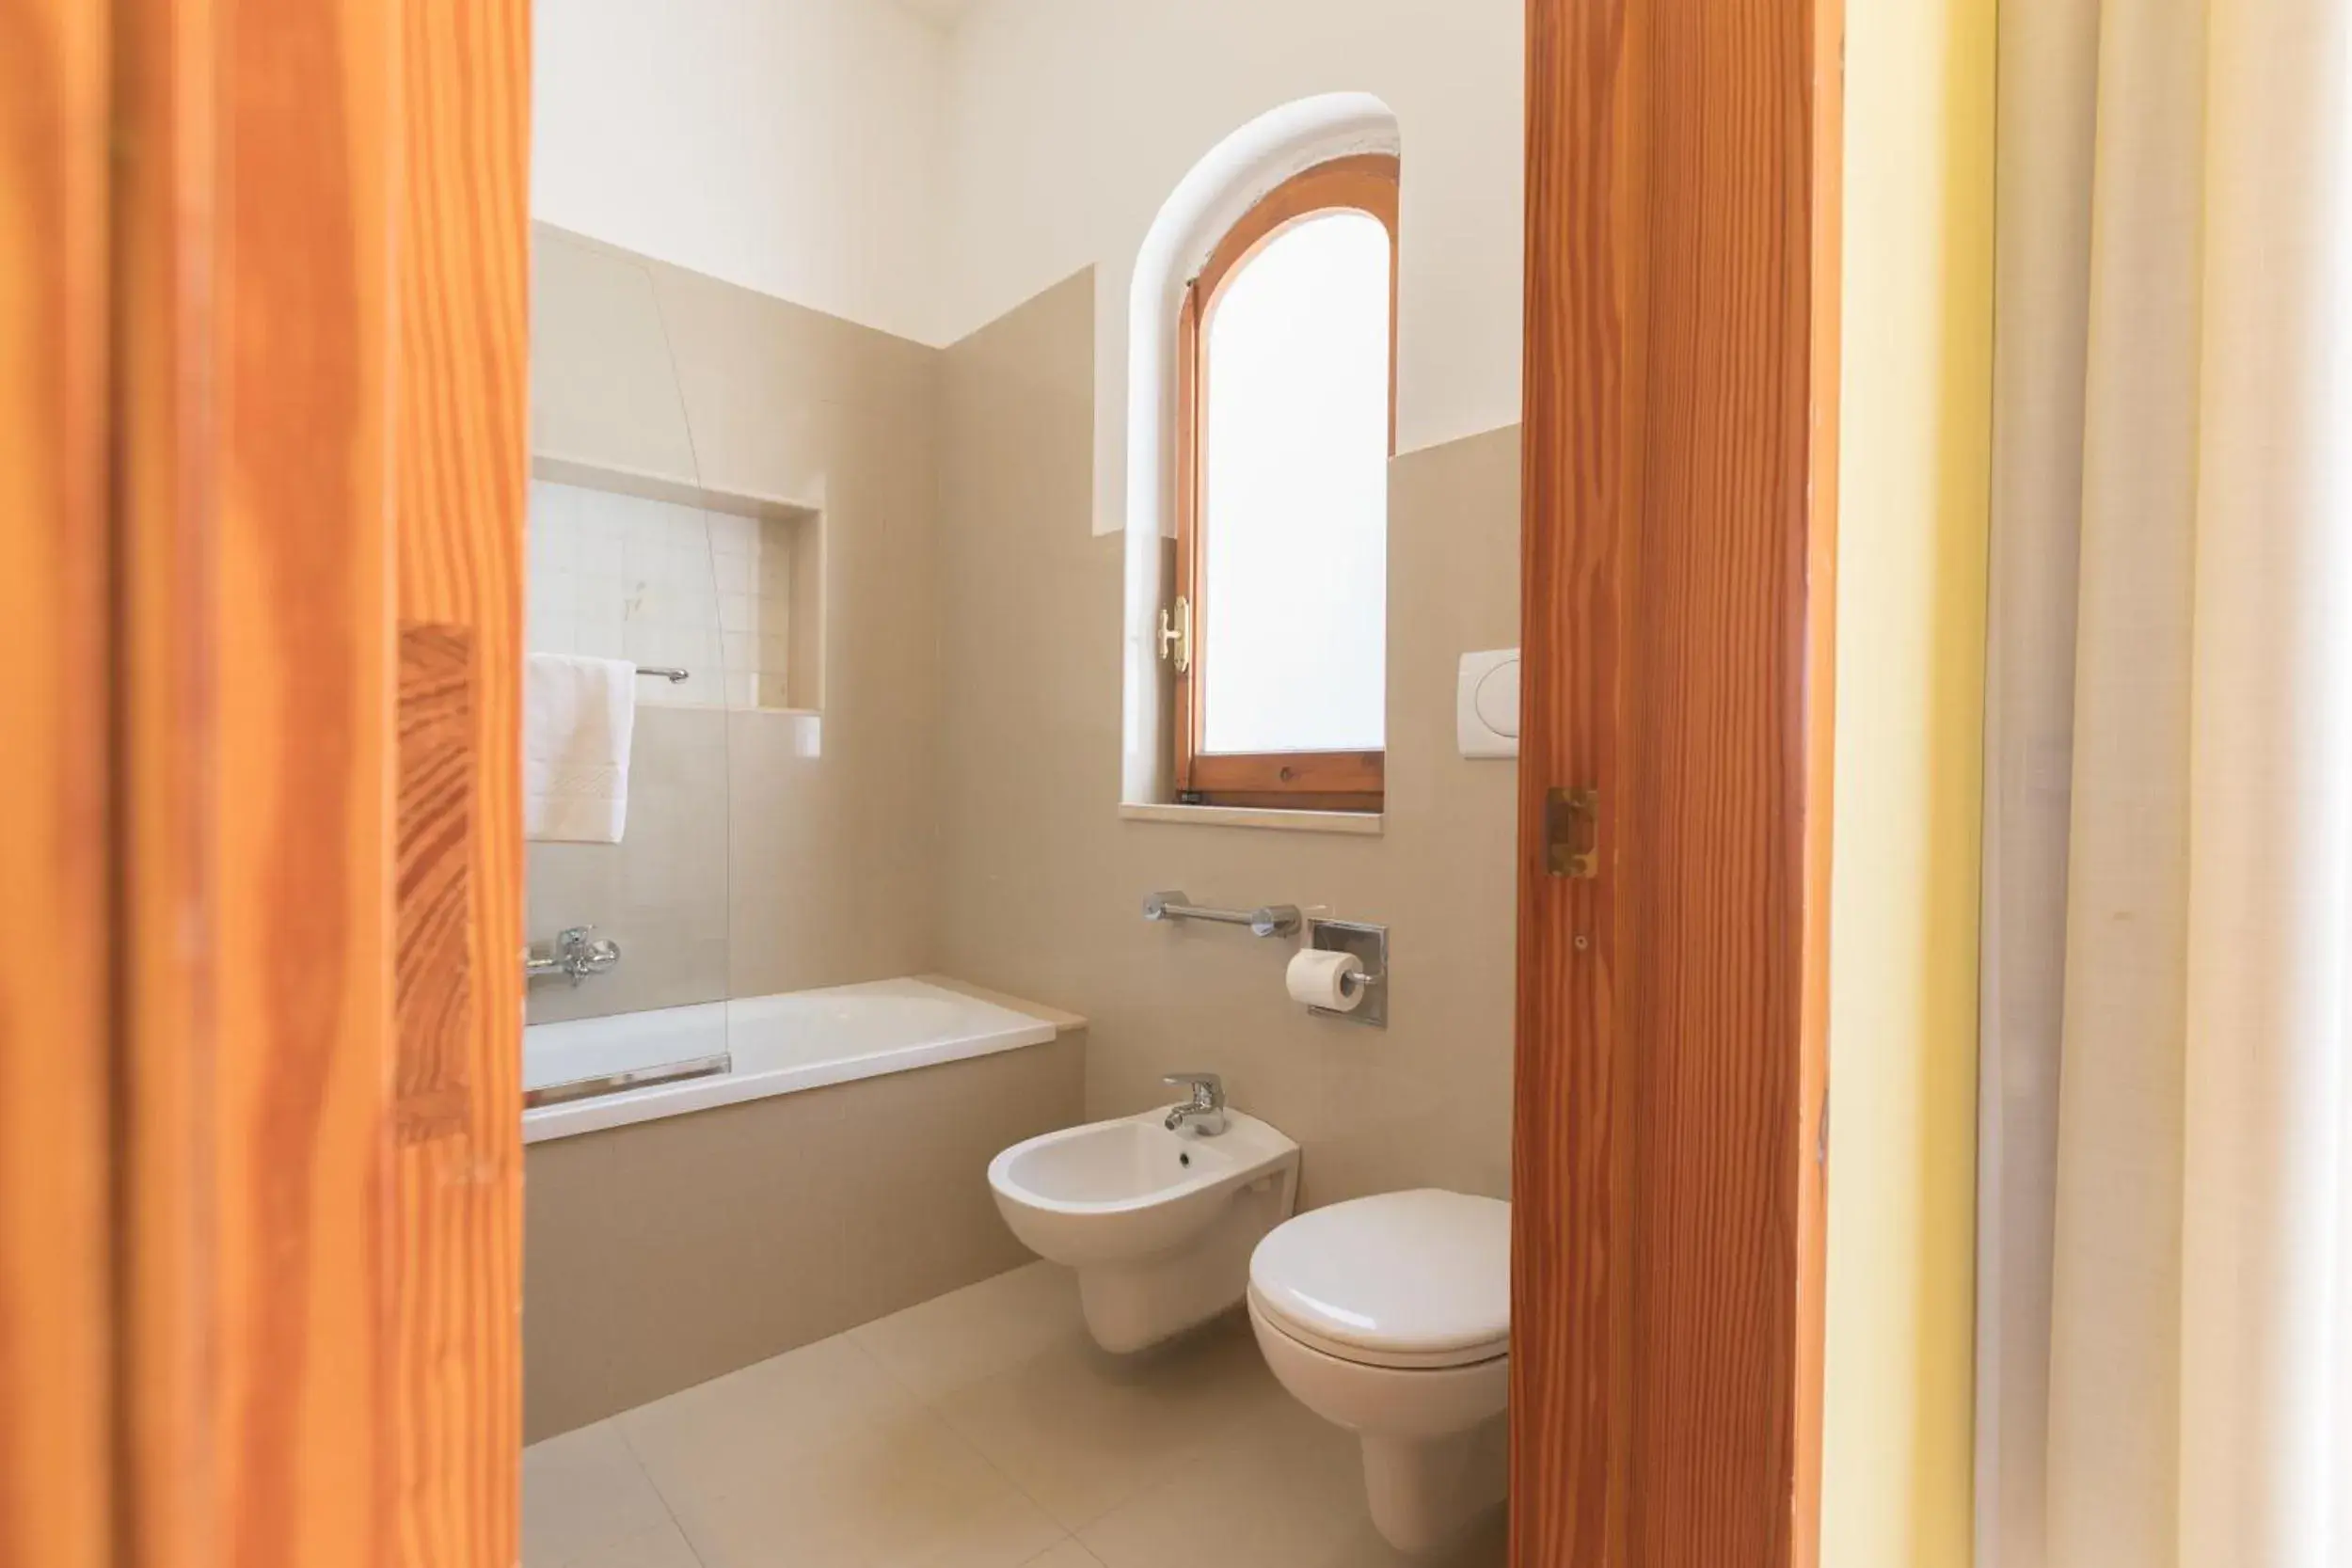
(1296, 500)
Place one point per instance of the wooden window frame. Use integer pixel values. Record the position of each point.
(1297, 780)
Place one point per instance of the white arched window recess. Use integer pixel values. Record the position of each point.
(1261, 416)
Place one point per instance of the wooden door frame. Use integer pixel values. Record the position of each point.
(1680, 535)
(261, 351)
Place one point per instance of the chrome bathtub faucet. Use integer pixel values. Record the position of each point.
(574, 957)
(1205, 1110)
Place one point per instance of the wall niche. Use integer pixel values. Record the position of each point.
(728, 588)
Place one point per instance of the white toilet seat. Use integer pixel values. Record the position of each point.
(1441, 1359)
(1419, 1278)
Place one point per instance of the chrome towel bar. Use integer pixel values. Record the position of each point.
(670, 675)
(1267, 920)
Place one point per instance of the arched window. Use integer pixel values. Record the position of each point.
(1285, 422)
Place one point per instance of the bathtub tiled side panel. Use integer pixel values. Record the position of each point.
(661, 1255)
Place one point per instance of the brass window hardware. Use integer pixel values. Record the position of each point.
(1176, 635)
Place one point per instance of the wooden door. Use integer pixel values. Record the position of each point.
(262, 340)
(57, 1372)
(1680, 513)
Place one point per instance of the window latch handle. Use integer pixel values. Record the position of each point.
(1176, 635)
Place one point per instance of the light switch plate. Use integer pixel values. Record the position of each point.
(1487, 704)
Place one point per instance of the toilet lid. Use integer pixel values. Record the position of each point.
(1418, 1278)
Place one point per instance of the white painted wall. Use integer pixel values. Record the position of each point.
(845, 156)
(1069, 122)
(790, 146)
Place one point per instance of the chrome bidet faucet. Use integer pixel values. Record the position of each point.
(1205, 1110)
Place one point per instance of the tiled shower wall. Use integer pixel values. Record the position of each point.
(619, 577)
(664, 584)
(780, 823)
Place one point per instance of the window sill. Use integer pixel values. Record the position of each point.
(1361, 823)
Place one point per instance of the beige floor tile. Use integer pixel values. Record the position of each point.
(581, 1491)
(663, 1547)
(1081, 1432)
(1288, 1492)
(1070, 1554)
(827, 1458)
(914, 1495)
(751, 1430)
(766, 1527)
(907, 1493)
(956, 1339)
(1002, 1532)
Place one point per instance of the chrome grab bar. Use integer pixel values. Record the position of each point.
(1266, 920)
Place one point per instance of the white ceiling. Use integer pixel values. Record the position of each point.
(942, 14)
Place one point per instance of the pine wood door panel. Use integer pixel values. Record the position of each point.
(299, 727)
(55, 1280)
(261, 318)
(435, 1008)
(1666, 1309)
(463, 263)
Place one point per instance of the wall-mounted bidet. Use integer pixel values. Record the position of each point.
(1391, 1317)
(1158, 1213)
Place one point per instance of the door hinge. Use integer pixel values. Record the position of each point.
(1176, 635)
(1572, 832)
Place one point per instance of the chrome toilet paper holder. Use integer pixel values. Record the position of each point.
(1370, 947)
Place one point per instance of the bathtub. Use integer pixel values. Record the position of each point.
(588, 1074)
(836, 1171)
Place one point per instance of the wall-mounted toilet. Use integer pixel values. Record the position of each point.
(1391, 1317)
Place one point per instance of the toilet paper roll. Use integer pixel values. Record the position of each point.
(1320, 979)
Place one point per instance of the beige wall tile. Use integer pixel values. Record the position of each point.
(764, 383)
(602, 388)
(660, 893)
(814, 841)
(1043, 881)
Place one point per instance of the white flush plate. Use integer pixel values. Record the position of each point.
(1487, 704)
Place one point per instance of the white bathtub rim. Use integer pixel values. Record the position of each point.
(998, 1028)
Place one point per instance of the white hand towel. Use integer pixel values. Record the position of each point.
(579, 715)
